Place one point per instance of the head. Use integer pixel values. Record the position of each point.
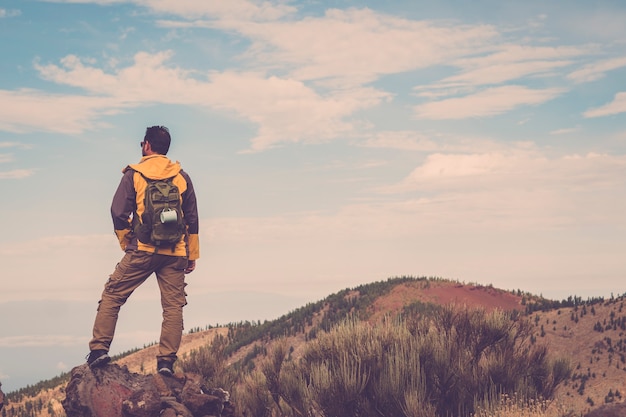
(158, 140)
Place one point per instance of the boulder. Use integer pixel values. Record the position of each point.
(113, 391)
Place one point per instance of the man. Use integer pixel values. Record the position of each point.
(170, 263)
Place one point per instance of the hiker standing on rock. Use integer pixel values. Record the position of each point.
(155, 217)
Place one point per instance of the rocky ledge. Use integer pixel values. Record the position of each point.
(113, 391)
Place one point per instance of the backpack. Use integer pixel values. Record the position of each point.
(162, 222)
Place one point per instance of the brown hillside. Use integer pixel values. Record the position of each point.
(592, 337)
(598, 355)
(444, 292)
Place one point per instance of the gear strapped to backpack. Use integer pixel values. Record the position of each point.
(162, 222)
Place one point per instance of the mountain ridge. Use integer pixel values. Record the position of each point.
(556, 323)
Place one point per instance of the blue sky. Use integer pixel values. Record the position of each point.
(331, 144)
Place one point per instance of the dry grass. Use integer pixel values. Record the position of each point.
(588, 351)
(144, 361)
(512, 407)
(575, 340)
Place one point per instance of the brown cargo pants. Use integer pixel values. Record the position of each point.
(132, 271)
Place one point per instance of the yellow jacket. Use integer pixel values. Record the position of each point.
(128, 202)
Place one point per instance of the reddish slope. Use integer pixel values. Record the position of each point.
(445, 292)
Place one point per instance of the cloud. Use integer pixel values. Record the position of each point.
(307, 78)
(596, 70)
(356, 46)
(227, 10)
(285, 110)
(55, 112)
(516, 190)
(490, 102)
(618, 105)
(53, 244)
(428, 143)
(510, 62)
(502, 72)
(530, 167)
(94, 255)
(351, 47)
(565, 131)
(402, 140)
(4, 13)
(288, 110)
(40, 340)
(441, 166)
(16, 174)
(15, 145)
(231, 9)
(148, 79)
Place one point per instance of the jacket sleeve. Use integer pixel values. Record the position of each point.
(190, 211)
(122, 207)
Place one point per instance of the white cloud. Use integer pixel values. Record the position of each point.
(4, 157)
(57, 113)
(40, 340)
(340, 52)
(148, 79)
(489, 102)
(565, 131)
(231, 9)
(15, 145)
(510, 62)
(33, 264)
(517, 168)
(502, 72)
(596, 70)
(352, 47)
(519, 190)
(4, 13)
(403, 140)
(356, 46)
(285, 110)
(618, 105)
(289, 111)
(16, 174)
(422, 142)
(227, 10)
(53, 244)
(442, 166)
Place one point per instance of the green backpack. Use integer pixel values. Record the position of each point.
(162, 222)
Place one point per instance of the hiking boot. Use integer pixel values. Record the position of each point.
(98, 358)
(165, 368)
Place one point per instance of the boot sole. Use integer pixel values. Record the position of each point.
(101, 361)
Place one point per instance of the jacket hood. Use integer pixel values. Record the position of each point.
(156, 167)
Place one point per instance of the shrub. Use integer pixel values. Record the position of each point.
(210, 362)
(447, 363)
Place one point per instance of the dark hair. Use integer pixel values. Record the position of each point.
(159, 138)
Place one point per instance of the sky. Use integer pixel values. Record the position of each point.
(331, 143)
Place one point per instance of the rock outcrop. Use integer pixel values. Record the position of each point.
(113, 391)
(1, 397)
